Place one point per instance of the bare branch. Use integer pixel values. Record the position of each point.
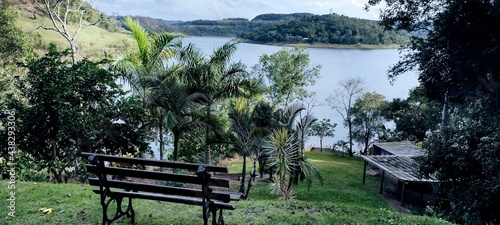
(59, 13)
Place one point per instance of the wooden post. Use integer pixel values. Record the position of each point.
(422, 196)
(402, 192)
(382, 182)
(364, 171)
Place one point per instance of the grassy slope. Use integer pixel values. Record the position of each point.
(93, 41)
(341, 200)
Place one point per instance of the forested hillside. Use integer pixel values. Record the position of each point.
(228, 27)
(231, 27)
(281, 17)
(328, 29)
(283, 28)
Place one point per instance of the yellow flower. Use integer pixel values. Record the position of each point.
(47, 211)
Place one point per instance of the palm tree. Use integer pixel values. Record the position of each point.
(297, 166)
(216, 77)
(148, 61)
(343, 145)
(182, 108)
(282, 148)
(304, 170)
(248, 137)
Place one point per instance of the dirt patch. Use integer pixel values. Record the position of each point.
(396, 204)
(413, 202)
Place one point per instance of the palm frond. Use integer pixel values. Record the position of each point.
(292, 111)
(141, 37)
(304, 125)
(282, 148)
(222, 55)
(308, 170)
(162, 48)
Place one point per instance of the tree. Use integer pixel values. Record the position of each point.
(413, 116)
(282, 149)
(141, 68)
(60, 13)
(15, 46)
(342, 101)
(216, 77)
(71, 108)
(368, 118)
(457, 56)
(249, 137)
(181, 107)
(14, 43)
(323, 128)
(453, 52)
(342, 145)
(285, 151)
(286, 73)
(467, 158)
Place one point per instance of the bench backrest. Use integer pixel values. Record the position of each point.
(97, 167)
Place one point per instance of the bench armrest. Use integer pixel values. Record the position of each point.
(204, 176)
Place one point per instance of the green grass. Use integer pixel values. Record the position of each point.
(341, 200)
(93, 41)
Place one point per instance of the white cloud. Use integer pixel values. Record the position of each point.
(324, 4)
(357, 4)
(219, 9)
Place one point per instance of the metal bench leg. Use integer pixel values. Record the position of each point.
(206, 212)
(221, 218)
(214, 216)
(130, 211)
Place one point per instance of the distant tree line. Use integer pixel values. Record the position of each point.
(329, 29)
(280, 17)
(230, 27)
(288, 28)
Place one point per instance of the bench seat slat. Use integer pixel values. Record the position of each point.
(235, 196)
(167, 198)
(141, 187)
(193, 179)
(159, 163)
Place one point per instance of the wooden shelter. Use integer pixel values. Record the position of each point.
(397, 159)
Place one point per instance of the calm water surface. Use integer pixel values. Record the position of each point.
(336, 64)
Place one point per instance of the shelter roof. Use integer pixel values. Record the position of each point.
(403, 168)
(404, 148)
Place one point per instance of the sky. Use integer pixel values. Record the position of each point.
(187, 10)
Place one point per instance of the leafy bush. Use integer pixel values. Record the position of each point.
(466, 155)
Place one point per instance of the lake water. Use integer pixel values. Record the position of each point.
(336, 64)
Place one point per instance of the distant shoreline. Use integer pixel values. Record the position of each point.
(321, 45)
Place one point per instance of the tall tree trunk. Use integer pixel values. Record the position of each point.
(176, 145)
(252, 176)
(207, 145)
(160, 128)
(74, 49)
(208, 160)
(162, 145)
(444, 119)
(55, 165)
(321, 144)
(350, 138)
(365, 151)
(57, 175)
(243, 173)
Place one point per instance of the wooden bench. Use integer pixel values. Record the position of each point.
(199, 193)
